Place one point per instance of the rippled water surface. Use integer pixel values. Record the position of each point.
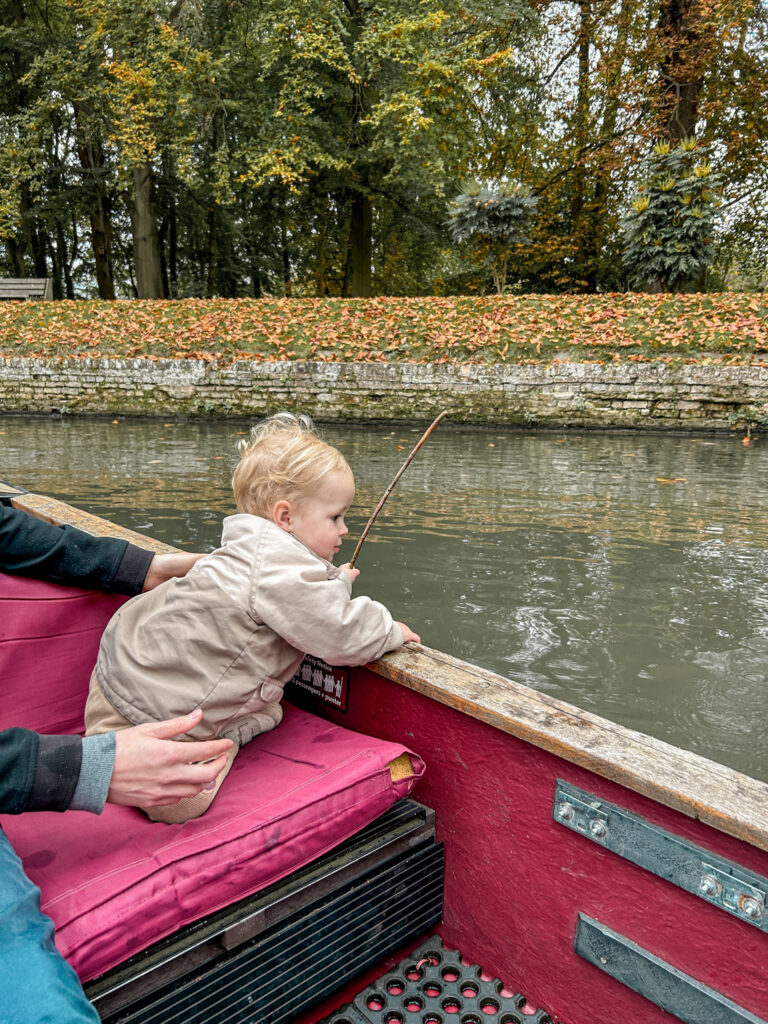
(624, 573)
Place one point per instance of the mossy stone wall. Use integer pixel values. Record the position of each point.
(639, 395)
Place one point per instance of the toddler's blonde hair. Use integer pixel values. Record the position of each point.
(283, 460)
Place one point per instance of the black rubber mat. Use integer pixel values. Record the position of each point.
(435, 986)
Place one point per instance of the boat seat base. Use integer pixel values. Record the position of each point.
(278, 952)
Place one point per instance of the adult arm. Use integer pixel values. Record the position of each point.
(37, 772)
(63, 554)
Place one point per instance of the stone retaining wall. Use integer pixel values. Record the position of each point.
(690, 396)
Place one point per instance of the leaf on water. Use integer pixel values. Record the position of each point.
(670, 479)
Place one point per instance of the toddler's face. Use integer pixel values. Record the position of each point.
(319, 520)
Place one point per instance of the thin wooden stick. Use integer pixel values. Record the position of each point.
(389, 490)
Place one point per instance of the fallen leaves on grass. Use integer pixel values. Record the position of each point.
(722, 328)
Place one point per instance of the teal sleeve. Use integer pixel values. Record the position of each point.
(96, 768)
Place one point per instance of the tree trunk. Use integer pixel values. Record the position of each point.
(321, 256)
(683, 34)
(357, 270)
(57, 262)
(99, 213)
(579, 225)
(601, 170)
(360, 246)
(19, 245)
(18, 60)
(16, 255)
(213, 245)
(101, 243)
(146, 238)
(64, 261)
(40, 246)
(162, 235)
(173, 251)
(168, 233)
(286, 260)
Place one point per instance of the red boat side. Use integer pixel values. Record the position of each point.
(583, 860)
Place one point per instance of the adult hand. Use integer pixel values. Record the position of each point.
(151, 769)
(165, 567)
(408, 634)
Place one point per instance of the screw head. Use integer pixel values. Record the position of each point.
(565, 811)
(598, 828)
(752, 907)
(709, 886)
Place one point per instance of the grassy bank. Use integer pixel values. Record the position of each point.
(726, 328)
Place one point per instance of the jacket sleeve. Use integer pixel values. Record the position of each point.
(63, 554)
(54, 773)
(37, 773)
(317, 616)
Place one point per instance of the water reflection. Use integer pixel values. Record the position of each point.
(625, 573)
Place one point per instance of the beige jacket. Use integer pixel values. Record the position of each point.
(229, 635)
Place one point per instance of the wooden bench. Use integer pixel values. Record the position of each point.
(24, 289)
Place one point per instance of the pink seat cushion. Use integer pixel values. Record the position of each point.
(49, 639)
(114, 884)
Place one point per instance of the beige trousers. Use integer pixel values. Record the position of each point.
(100, 716)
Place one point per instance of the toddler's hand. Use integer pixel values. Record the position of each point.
(408, 634)
(351, 572)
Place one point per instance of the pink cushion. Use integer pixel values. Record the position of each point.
(114, 884)
(49, 638)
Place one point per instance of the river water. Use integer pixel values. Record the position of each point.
(625, 573)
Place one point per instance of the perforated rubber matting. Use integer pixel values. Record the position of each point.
(435, 985)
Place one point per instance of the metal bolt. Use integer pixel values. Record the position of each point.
(752, 907)
(598, 828)
(565, 811)
(709, 886)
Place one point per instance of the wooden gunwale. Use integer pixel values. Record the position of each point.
(700, 788)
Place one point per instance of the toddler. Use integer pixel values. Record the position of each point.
(229, 635)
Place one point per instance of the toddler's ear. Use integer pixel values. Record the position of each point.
(281, 516)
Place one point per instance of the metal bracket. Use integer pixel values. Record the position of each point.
(713, 878)
(679, 994)
(582, 813)
(732, 893)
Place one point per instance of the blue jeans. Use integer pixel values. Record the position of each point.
(37, 985)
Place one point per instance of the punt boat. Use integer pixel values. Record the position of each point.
(420, 842)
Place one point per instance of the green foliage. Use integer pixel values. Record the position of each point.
(497, 220)
(668, 231)
(365, 111)
(309, 148)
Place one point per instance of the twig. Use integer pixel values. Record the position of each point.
(389, 490)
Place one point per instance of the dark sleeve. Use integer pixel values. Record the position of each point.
(37, 773)
(63, 554)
